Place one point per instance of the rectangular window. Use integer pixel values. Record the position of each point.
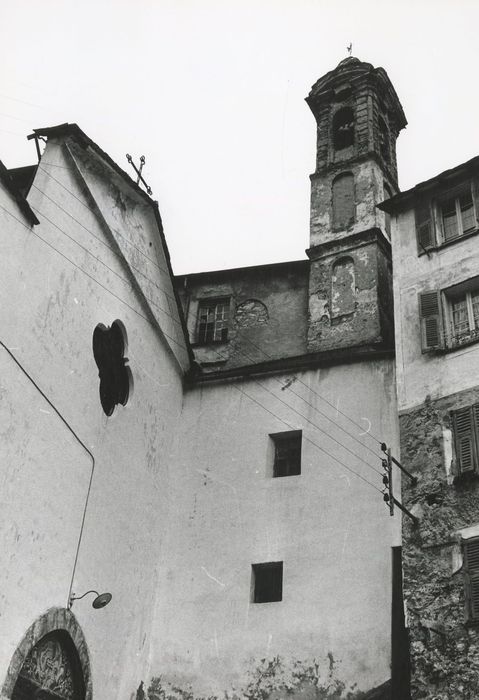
(287, 453)
(213, 316)
(450, 317)
(457, 214)
(446, 217)
(462, 310)
(267, 582)
(471, 578)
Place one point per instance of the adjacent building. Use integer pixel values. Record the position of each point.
(436, 293)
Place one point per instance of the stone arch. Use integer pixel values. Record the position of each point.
(58, 625)
(343, 128)
(344, 205)
(343, 287)
(250, 313)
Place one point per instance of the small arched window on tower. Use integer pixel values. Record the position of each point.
(384, 145)
(344, 206)
(343, 128)
(343, 288)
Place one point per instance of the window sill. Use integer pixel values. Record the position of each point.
(462, 343)
(208, 344)
(446, 244)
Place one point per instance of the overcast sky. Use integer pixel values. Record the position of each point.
(212, 93)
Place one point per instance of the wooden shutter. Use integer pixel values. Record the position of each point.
(431, 321)
(471, 560)
(464, 437)
(425, 232)
(475, 199)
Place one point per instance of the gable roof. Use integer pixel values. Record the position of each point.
(73, 131)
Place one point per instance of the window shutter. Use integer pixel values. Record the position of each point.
(424, 225)
(464, 435)
(431, 323)
(475, 199)
(471, 555)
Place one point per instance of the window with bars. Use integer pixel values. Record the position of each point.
(471, 578)
(447, 217)
(287, 453)
(213, 318)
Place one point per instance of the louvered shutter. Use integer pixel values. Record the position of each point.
(425, 232)
(475, 197)
(464, 435)
(471, 557)
(431, 321)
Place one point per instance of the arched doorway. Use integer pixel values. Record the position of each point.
(51, 662)
(51, 671)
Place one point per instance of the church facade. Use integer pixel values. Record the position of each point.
(193, 466)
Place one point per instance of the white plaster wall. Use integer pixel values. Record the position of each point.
(431, 374)
(331, 530)
(49, 308)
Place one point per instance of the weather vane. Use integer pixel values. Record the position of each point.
(350, 48)
(138, 171)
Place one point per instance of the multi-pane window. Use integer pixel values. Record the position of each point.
(448, 217)
(458, 215)
(287, 453)
(464, 312)
(450, 318)
(267, 582)
(471, 577)
(213, 316)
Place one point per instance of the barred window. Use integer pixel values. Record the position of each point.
(213, 317)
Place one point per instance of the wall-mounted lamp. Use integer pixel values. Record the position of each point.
(100, 601)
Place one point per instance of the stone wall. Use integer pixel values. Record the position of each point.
(444, 649)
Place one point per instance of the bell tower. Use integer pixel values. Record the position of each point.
(359, 117)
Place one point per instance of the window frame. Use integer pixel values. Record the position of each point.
(262, 567)
(436, 317)
(284, 437)
(209, 302)
(429, 218)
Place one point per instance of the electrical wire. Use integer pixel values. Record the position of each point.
(222, 357)
(270, 357)
(31, 230)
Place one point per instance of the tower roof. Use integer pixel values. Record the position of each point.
(348, 75)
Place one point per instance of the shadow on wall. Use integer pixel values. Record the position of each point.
(275, 679)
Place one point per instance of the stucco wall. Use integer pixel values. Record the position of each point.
(434, 374)
(331, 529)
(275, 331)
(53, 292)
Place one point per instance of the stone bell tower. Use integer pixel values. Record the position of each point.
(359, 118)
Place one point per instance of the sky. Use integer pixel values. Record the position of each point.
(212, 93)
